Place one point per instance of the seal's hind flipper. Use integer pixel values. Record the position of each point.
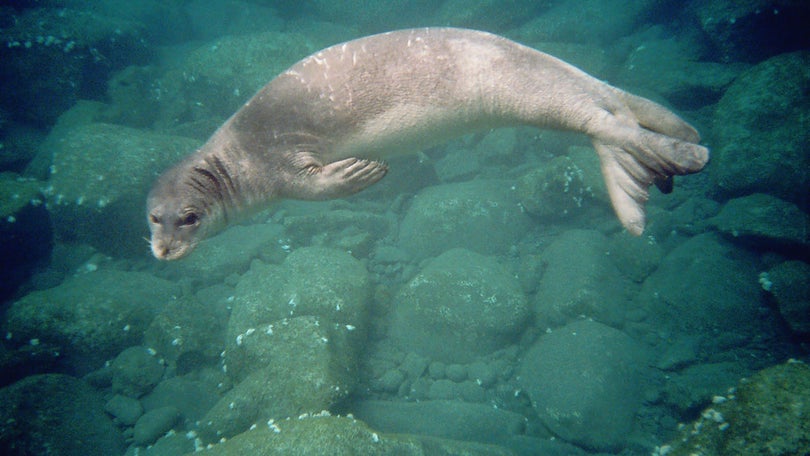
(643, 159)
(627, 182)
(657, 118)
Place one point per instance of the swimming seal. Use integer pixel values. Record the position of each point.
(320, 129)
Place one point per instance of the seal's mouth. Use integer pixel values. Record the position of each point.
(170, 250)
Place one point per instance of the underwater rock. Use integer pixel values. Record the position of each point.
(371, 16)
(679, 353)
(439, 418)
(322, 282)
(579, 279)
(20, 143)
(607, 21)
(389, 382)
(54, 56)
(564, 187)
(459, 163)
(55, 414)
(789, 283)
(480, 215)
(188, 331)
(767, 414)
(636, 257)
(26, 236)
(487, 14)
(460, 306)
(192, 395)
(677, 70)
(762, 220)
(761, 132)
(229, 252)
(199, 93)
(126, 410)
(705, 286)
(26, 360)
(584, 395)
(293, 366)
(170, 444)
(339, 436)
(495, 153)
(690, 389)
(211, 19)
(154, 423)
(456, 372)
(351, 231)
(91, 317)
(132, 99)
(135, 371)
(753, 30)
(100, 176)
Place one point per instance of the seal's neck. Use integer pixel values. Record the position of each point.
(224, 174)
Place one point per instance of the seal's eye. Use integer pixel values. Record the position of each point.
(189, 219)
(154, 219)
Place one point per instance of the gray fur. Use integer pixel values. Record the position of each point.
(318, 130)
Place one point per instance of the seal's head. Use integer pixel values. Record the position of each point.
(180, 214)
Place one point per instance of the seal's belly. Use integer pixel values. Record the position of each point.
(405, 129)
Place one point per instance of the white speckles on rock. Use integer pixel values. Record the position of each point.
(462, 305)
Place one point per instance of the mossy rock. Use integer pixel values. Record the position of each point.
(767, 415)
(338, 436)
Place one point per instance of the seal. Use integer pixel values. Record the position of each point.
(321, 129)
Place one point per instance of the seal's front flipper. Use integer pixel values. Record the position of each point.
(337, 179)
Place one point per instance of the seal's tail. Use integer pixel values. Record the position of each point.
(650, 147)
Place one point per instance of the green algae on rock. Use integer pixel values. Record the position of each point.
(767, 414)
(322, 434)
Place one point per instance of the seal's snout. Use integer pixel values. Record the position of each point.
(172, 249)
(159, 250)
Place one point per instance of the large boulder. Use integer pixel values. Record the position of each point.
(339, 436)
(689, 389)
(753, 30)
(135, 371)
(26, 235)
(314, 281)
(353, 231)
(789, 283)
(767, 414)
(227, 253)
(452, 419)
(762, 220)
(288, 367)
(215, 79)
(192, 395)
(373, 16)
(55, 414)
(90, 317)
(579, 279)
(100, 176)
(462, 305)
(190, 330)
(488, 14)
(566, 186)
(676, 69)
(761, 131)
(584, 395)
(480, 215)
(705, 286)
(54, 56)
(606, 21)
